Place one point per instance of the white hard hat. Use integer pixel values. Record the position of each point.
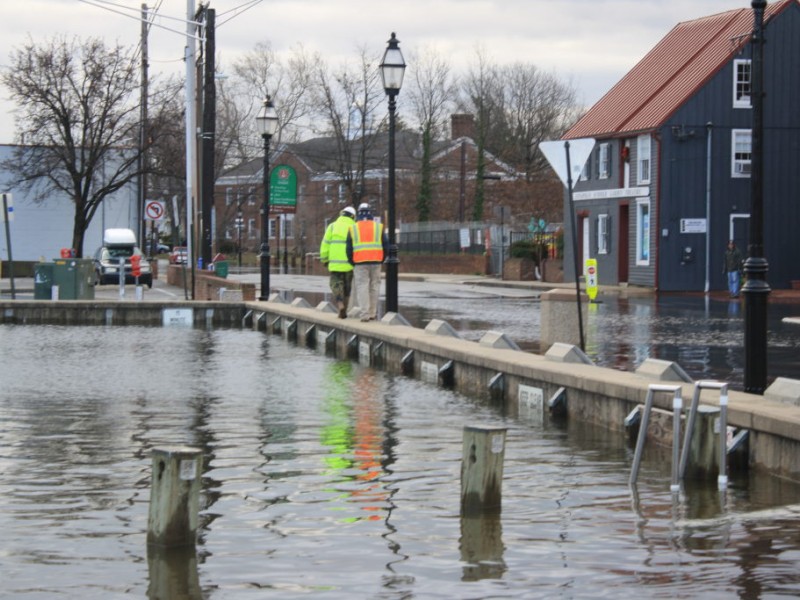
(349, 210)
(363, 206)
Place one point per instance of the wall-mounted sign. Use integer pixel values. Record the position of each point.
(693, 225)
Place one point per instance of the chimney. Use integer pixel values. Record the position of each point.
(462, 125)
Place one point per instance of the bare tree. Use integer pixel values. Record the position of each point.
(348, 100)
(261, 73)
(78, 113)
(431, 93)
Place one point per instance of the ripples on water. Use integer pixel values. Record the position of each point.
(327, 479)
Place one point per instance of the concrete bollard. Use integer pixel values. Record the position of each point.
(483, 453)
(174, 496)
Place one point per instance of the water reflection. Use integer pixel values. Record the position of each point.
(329, 479)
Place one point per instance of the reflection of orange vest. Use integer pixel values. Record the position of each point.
(367, 241)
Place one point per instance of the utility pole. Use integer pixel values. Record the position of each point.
(191, 137)
(143, 133)
(208, 135)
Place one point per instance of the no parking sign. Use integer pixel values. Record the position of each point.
(154, 210)
(591, 277)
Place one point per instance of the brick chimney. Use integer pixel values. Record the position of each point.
(462, 125)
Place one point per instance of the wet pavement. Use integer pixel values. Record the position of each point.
(703, 334)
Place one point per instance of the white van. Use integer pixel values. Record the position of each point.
(119, 244)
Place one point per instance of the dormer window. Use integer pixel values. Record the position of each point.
(742, 83)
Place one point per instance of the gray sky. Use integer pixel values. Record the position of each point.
(592, 42)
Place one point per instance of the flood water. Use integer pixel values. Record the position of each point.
(327, 479)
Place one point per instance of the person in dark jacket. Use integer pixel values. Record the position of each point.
(733, 268)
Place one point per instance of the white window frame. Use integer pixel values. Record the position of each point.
(228, 196)
(740, 166)
(643, 227)
(326, 193)
(602, 234)
(251, 196)
(643, 162)
(252, 230)
(604, 161)
(741, 80)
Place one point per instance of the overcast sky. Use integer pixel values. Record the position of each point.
(592, 42)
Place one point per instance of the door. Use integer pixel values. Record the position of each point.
(622, 244)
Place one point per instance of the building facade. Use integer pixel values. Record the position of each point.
(668, 182)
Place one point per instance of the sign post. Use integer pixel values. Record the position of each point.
(8, 215)
(566, 165)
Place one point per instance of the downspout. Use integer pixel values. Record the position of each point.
(709, 128)
(657, 189)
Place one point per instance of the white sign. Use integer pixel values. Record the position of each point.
(154, 210)
(464, 236)
(693, 225)
(635, 192)
(556, 154)
(182, 317)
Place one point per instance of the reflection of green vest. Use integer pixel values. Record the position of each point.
(333, 249)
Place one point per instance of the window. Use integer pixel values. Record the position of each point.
(342, 193)
(251, 195)
(228, 196)
(741, 152)
(602, 234)
(327, 194)
(586, 173)
(604, 160)
(252, 231)
(742, 82)
(643, 159)
(643, 232)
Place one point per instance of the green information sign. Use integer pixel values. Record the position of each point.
(283, 190)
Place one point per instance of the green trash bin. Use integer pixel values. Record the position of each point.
(43, 281)
(221, 268)
(74, 278)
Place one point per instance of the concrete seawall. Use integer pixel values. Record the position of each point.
(491, 369)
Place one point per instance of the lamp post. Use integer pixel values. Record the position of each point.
(392, 69)
(756, 289)
(267, 121)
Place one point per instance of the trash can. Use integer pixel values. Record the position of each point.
(221, 268)
(74, 278)
(43, 281)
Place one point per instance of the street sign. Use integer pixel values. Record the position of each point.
(283, 190)
(591, 277)
(154, 210)
(556, 154)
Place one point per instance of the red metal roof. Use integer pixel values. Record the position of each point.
(680, 64)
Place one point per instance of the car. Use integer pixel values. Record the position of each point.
(178, 256)
(107, 265)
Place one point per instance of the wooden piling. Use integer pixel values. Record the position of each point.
(482, 469)
(174, 496)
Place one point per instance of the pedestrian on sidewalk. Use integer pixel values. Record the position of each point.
(333, 254)
(732, 268)
(366, 251)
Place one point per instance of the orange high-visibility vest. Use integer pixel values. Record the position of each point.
(367, 241)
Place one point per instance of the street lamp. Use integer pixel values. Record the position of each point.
(267, 121)
(756, 289)
(392, 69)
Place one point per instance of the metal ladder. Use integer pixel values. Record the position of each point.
(677, 407)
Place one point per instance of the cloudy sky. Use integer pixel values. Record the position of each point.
(592, 42)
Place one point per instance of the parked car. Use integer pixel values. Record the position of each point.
(118, 246)
(178, 256)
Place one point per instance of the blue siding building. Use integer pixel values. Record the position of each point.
(668, 182)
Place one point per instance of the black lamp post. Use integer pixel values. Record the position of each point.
(392, 69)
(267, 121)
(756, 289)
